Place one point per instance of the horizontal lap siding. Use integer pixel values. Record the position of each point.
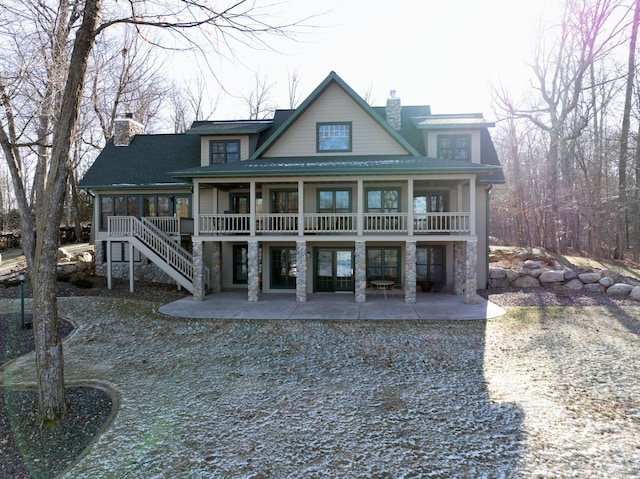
(334, 105)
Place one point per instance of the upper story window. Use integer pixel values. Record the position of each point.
(454, 147)
(383, 200)
(331, 137)
(224, 151)
(334, 201)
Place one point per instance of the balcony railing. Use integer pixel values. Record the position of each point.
(335, 223)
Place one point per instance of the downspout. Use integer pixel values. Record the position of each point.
(488, 212)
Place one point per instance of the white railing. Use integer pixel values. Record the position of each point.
(385, 222)
(330, 223)
(441, 223)
(333, 223)
(167, 224)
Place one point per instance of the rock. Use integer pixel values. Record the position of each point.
(606, 281)
(552, 277)
(575, 284)
(607, 273)
(512, 275)
(499, 282)
(525, 282)
(619, 289)
(594, 288)
(588, 278)
(530, 264)
(535, 273)
(635, 293)
(569, 275)
(497, 272)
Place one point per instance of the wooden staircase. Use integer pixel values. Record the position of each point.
(156, 245)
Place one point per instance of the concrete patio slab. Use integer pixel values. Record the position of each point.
(234, 305)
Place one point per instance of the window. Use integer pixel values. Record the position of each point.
(333, 137)
(284, 201)
(383, 200)
(120, 252)
(240, 268)
(454, 147)
(334, 201)
(383, 264)
(429, 203)
(143, 205)
(430, 265)
(224, 151)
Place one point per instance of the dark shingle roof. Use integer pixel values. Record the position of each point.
(145, 162)
(337, 165)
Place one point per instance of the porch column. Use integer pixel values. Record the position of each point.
(252, 208)
(459, 267)
(360, 213)
(472, 209)
(410, 207)
(131, 267)
(300, 209)
(471, 279)
(216, 269)
(253, 263)
(361, 271)
(109, 272)
(301, 271)
(195, 208)
(198, 271)
(410, 273)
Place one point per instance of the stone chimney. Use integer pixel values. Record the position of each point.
(124, 129)
(394, 110)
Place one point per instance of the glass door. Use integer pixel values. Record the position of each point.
(334, 270)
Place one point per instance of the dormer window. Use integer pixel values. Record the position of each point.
(224, 151)
(454, 147)
(333, 137)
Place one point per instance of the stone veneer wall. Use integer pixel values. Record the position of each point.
(535, 275)
(361, 271)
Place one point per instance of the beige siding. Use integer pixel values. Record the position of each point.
(204, 146)
(431, 142)
(334, 105)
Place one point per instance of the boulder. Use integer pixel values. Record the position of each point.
(588, 278)
(575, 284)
(531, 264)
(619, 289)
(635, 293)
(552, 277)
(536, 273)
(499, 282)
(606, 281)
(497, 272)
(512, 275)
(569, 275)
(525, 282)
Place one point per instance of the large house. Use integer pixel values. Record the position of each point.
(333, 196)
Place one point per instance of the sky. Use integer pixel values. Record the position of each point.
(444, 53)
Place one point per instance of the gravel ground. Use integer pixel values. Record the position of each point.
(47, 453)
(541, 392)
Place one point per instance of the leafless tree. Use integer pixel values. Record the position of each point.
(258, 101)
(65, 35)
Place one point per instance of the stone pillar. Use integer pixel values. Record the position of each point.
(216, 267)
(301, 271)
(98, 253)
(459, 267)
(471, 280)
(253, 260)
(410, 273)
(361, 271)
(198, 271)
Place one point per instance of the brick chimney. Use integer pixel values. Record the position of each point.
(124, 129)
(394, 111)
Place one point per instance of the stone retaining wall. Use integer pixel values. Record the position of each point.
(535, 274)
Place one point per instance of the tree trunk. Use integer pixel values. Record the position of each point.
(52, 405)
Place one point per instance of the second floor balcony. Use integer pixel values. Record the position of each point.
(335, 223)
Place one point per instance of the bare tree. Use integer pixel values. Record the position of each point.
(258, 101)
(294, 84)
(68, 40)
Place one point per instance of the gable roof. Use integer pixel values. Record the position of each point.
(298, 112)
(146, 162)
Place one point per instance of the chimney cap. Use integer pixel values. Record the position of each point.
(128, 115)
(392, 93)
